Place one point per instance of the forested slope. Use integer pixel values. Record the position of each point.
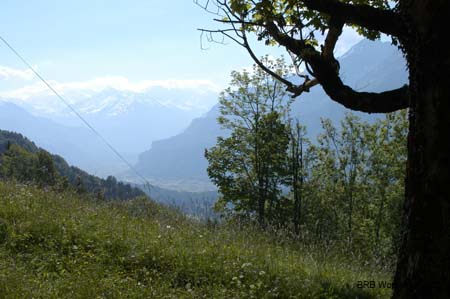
(23, 161)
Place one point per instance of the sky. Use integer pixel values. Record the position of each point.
(124, 43)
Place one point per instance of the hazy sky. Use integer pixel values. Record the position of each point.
(132, 40)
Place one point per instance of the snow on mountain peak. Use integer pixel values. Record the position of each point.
(115, 95)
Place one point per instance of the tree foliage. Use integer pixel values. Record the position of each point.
(23, 161)
(345, 186)
(248, 165)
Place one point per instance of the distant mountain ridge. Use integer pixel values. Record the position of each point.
(369, 66)
(130, 121)
(111, 100)
(69, 142)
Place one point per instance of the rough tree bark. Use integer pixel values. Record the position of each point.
(423, 269)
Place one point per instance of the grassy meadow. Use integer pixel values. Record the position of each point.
(65, 245)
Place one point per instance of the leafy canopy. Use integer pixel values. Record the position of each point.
(293, 14)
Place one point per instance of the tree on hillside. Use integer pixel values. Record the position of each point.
(247, 166)
(298, 160)
(385, 177)
(419, 28)
(345, 149)
(19, 164)
(46, 173)
(351, 186)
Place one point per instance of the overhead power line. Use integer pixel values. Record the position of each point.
(60, 97)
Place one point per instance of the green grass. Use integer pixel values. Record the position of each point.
(55, 245)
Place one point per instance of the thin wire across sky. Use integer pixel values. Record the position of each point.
(60, 97)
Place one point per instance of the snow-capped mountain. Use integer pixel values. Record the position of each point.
(109, 100)
(168, 109)
(129, 120)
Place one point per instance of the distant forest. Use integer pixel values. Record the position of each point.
(23, 161)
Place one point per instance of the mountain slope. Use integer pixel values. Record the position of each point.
(371, 66)
(178, 157)
(195, 204)
(69, 142)
(27, 151)
(129, 120)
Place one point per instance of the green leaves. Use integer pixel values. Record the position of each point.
(240, 7)
(248, 164)
(24, 166)
(346, 185)
(358, 180)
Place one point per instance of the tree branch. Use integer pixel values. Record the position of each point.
(326, 70)
(261, 65)
(385, 21)
(334, 31)
(371, 102)
(322, 65)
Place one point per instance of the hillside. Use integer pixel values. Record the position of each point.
(371, 66)
(7, 138)
(23, 157)
(61, 245)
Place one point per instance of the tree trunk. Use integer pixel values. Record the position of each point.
(295, 182)
(261, 202)
(423, 268)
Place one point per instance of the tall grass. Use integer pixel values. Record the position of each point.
(62, 245)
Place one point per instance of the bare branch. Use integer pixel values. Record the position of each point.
(206, 7)
(223, 32)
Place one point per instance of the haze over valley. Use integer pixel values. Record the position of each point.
(164, 128)
(129, 120)
(179, 162)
